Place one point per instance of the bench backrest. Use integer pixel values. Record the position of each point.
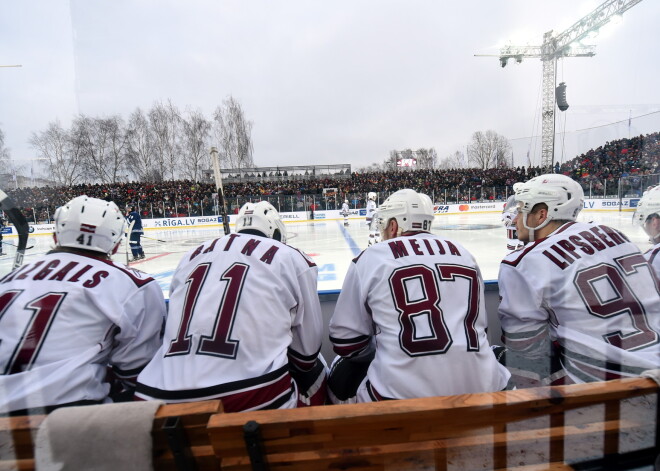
(550, 425)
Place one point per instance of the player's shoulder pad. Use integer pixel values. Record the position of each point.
(515, 257)
(306, 257)
(139, 278)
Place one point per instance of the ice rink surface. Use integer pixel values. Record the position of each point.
(332, 245)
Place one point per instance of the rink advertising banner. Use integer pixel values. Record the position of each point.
(609, 204)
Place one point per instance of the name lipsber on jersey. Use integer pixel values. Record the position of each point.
(588, 242)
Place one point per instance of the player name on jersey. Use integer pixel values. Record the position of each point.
(399, 247)
(586, 242)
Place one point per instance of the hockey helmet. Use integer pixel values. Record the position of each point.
(563, 196)
(372, 196)
(90, 224)
(647, 206)
(346, 201)
(261, 217)
(413, 211)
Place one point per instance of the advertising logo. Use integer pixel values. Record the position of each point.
(464, 207)
(319, 215)
(439, 209)
(363, 212)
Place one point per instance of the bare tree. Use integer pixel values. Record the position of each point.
(426, 158)
(196, 134)
(487, 150)
(104, 144)
(140, 148)
(165, 121)
(61, 152)
(233, 133)
(452, 161)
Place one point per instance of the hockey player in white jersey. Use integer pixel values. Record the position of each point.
(415, 304)
(345, 211)
(579, 302)
(647, 215)
(371, 218)
(244, 323)
(70, 314)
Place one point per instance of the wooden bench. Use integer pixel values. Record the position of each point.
(611, 425)
(539, 428)
(179, 435)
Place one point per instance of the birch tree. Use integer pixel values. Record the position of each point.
(233, 133)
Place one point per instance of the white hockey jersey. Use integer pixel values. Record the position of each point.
(371, 209)
(420, 299)
(64, 319)
(241, 308)
(653, 256)
(593, 292)
(345, 210)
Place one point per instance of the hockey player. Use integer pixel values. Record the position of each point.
(647, 215)
(508, 214)
(2, 226)
(244, 323)
(136, 234)
(345, 212)
(69, 314)
(415, 304)
(579, 303)
(372, 221)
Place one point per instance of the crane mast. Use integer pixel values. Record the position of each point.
(565, 44)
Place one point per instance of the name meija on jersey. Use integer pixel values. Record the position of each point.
(588, 242)
(247, 249)
(422, 247)
(72, 272)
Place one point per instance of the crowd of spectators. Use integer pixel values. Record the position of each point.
(596, 170)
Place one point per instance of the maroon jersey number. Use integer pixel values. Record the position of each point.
(606, 294)
(426, 308)
(220, 343)
(44, 308)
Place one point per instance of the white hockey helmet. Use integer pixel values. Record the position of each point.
(413, 211)
(647, 206)
(90, 224)
(563, 196)
(346, 201)
(261, 217)
(372, 196)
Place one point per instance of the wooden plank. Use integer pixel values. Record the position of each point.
(512, 441)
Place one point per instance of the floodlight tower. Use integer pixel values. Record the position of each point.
(565, 44)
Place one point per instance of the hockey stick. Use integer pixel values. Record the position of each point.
(152, 238)
(20, 223)
(221, 191)
(15, 245)
(129, 230)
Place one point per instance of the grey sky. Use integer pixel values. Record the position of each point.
(325, 82)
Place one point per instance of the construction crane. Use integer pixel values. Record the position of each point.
(565, 44)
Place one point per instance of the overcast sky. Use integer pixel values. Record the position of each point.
(326, 82)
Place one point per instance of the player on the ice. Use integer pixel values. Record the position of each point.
(647, 215)
(136, 234)
(345, 212)
(579, 302)
(371, 218)
(413, 303)
(73, 312)
(244, 323)
(2, 226)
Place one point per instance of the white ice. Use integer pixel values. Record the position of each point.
(331, 244)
